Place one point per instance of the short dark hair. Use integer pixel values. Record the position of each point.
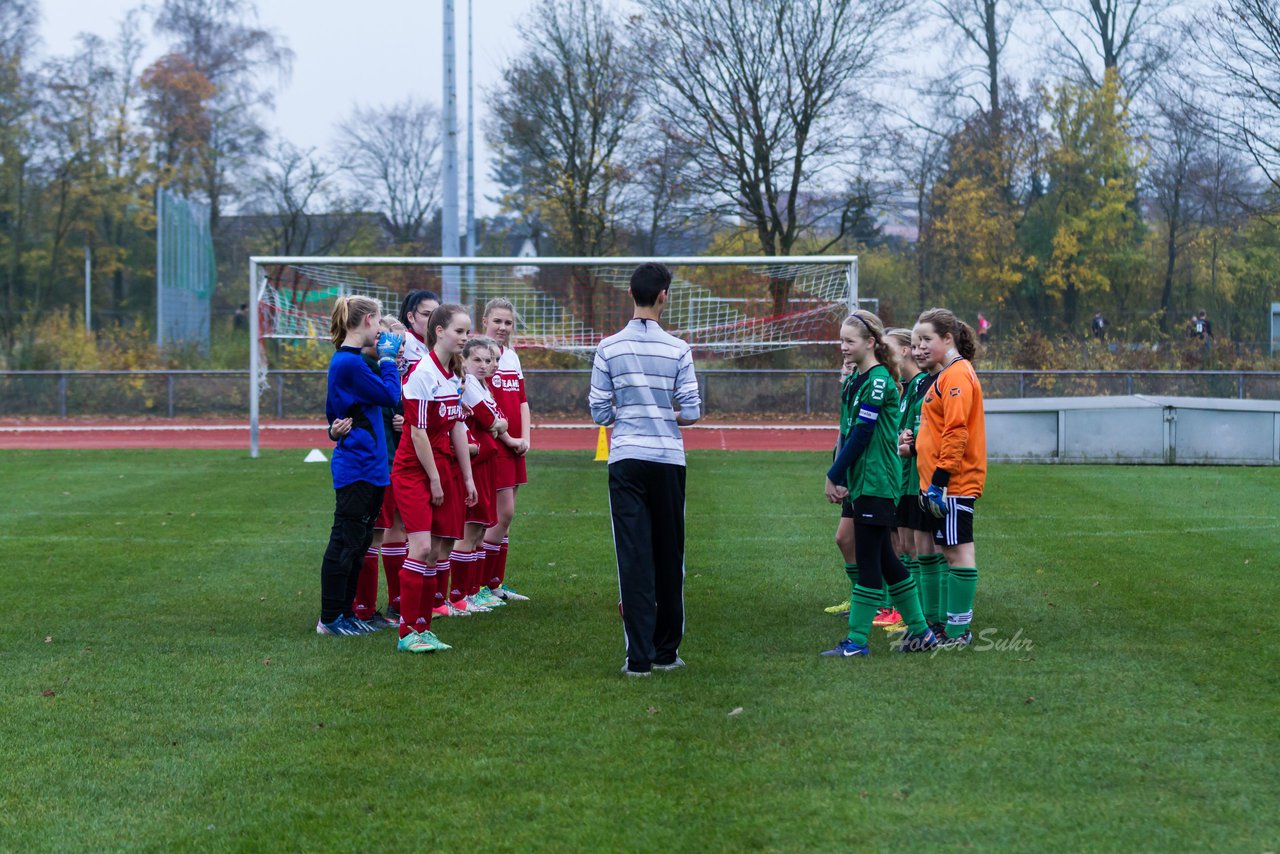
(411, 303)
(648, 281)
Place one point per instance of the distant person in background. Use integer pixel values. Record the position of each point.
(1099, 326)
(984, 328)
(241, 318)
(1201, 328)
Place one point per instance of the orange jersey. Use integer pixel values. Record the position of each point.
(953, 432)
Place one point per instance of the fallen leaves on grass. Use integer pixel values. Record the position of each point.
(1029, 700)
(653, 710)
(737, 711)
(48, 638)
(47, 692)
(266, 661)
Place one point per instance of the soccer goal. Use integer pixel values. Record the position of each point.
(724, 307)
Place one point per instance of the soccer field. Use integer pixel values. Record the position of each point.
(163, 686)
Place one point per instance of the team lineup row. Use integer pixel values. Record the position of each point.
(908, 471)
(437, 506)
(431, 426)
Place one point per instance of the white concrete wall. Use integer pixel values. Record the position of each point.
(1137, 429)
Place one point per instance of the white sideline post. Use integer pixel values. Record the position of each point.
(253, 359)
(853, 285)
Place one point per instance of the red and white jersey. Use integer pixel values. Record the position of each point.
(431, 403)
(415, 350)
(482, 412)
(508, 390)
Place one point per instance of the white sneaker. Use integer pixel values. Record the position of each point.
(679, 662)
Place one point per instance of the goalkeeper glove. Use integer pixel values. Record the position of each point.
(934, 499)
(388, 346)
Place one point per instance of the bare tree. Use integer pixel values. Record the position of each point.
(1127, 35)
(765, 94)
(561, 119)
(984, 26)
(393, 152)
(1176, 144)
(300, 195)
(1239, 40)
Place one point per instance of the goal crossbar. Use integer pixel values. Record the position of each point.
(780, 266)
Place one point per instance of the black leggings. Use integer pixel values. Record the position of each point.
(877, 563)
(355, 511)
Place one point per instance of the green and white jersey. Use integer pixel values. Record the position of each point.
(909, 419)
(878, 471)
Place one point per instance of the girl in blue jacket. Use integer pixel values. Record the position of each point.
(360, 472)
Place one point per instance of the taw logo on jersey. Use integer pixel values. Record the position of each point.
(450, 411)
(506, 383)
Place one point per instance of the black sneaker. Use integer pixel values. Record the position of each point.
(965, 639)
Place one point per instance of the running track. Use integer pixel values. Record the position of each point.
(87, 435)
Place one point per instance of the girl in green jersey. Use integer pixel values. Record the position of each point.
(868, 471)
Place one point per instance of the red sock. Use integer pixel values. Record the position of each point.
(366, 601)
(490, 571)
(413, 578)
(459, 564)
(441, 593)
(475, 572)
(393, 555)
(502, 562)
(426, 601)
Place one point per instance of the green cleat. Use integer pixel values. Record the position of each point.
(486, 598)
(842, 608)
(414, 642)
(436, 644)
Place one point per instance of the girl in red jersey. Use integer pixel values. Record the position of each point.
(415, 314)
(432, 476)
(486, 424)
(507, 384)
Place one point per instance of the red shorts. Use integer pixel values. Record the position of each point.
(485, 511)
(413, 500)
(508, 470)
(387, 515)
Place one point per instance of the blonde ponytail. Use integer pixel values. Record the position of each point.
(349, 312)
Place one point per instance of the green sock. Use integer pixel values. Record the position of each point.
(913, 570)
(962, 583)
(863, 605)
(851, 570)
(932, 570)
(907, 601)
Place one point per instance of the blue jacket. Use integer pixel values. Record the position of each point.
(356, 392)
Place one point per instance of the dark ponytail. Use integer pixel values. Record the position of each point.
(944, 322)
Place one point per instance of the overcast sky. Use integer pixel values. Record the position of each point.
(366, 52)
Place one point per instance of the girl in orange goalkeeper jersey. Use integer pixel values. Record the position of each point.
(951, 456)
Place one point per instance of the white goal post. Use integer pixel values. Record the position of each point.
(724, 306)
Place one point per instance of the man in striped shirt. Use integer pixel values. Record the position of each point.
(642, 383)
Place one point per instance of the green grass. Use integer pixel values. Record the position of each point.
(162, 686)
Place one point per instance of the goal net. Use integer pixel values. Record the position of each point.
(724, 307)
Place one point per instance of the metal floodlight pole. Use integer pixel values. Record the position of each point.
(470, 248)
(450, 290)
(88, 288)
(159, 265)
(254, 365)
